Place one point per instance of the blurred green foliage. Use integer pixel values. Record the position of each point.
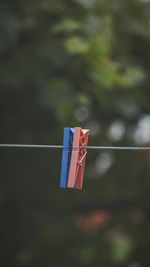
(68, 63)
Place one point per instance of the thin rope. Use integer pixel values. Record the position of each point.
(119, 147)
(30, 146)
(88, 147)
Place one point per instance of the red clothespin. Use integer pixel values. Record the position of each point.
(77, 164)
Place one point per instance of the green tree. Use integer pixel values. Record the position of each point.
(68, 63)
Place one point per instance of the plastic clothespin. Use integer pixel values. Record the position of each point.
(66, 156)
(77, 163)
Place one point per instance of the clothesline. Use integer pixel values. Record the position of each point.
(88, 147)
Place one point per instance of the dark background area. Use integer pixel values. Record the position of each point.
(65, 64)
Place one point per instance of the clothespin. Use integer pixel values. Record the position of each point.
(77, 163)
(66, 156)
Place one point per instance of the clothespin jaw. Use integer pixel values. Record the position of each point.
(78, 156)
(66, 156)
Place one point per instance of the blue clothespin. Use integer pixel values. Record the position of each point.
(66, 156)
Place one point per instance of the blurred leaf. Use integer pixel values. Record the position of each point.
(67, 25)
(76, 45)
(121, 248)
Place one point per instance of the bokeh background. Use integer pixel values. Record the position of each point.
(66, 63)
